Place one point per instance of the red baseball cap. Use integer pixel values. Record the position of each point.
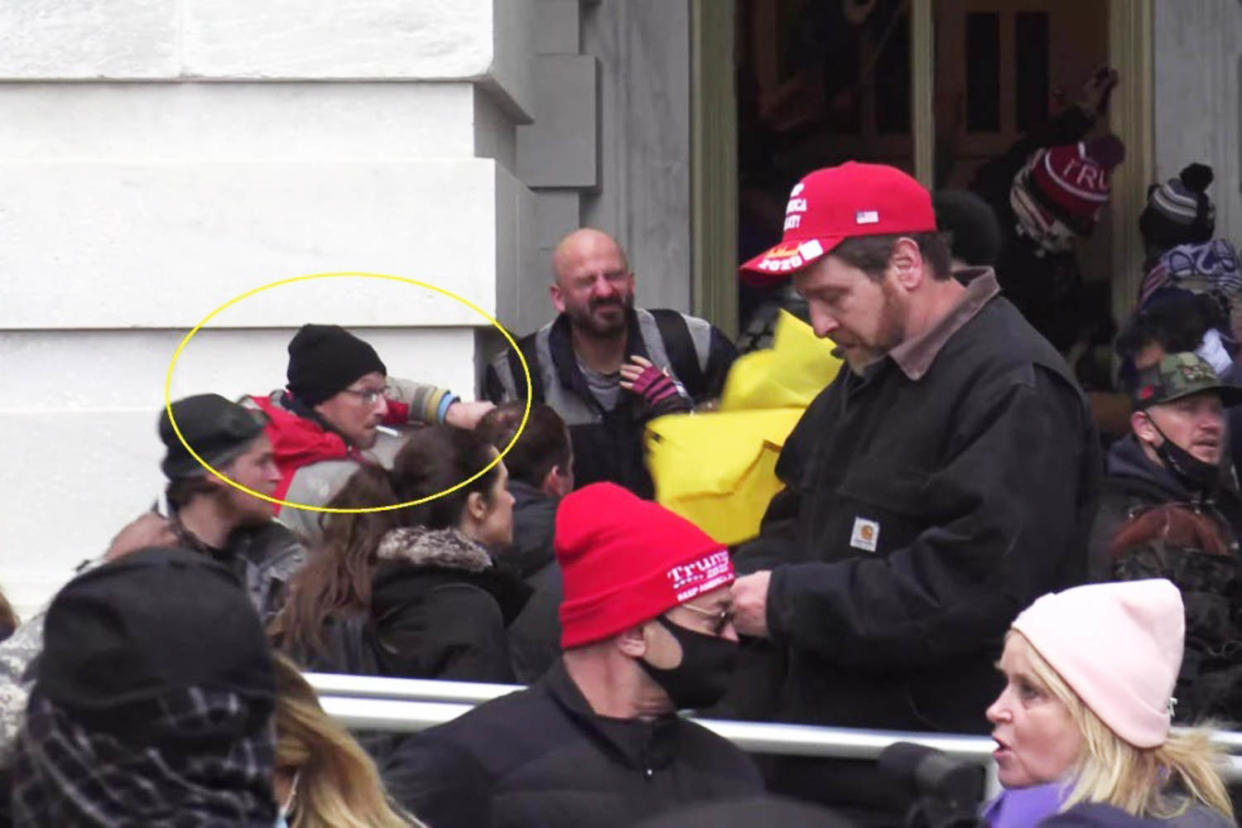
(831, 205)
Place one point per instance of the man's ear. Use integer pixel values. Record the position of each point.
(557, 296)
(1141, 425)
(553, 483)
(907, 264)
(632, 642)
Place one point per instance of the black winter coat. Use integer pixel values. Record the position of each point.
(1132, 481)
(541, 758)
(1209, 685)
(535, 635)
(920, 516)
(439, 608)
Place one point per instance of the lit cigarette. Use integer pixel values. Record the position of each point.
(391, 432)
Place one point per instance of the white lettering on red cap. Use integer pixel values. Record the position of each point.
(799, 187)
(793, 222)
(693, 578)
(867, 217)
(796, 205)
(811, 249)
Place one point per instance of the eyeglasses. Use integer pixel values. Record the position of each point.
(368, 397)
(723, 618)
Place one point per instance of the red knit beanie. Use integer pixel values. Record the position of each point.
(1076, 178)
(625, 560)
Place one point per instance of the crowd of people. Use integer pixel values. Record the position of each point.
(964, 542)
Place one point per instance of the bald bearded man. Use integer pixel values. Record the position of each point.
(608, 367)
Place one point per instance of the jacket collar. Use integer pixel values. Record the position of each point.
(534, 519)
(915, 356)
(637, 744)
(444, 548)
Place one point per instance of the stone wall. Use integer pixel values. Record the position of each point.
(1198, 67)
(162, 156)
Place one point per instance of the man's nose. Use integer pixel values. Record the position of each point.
(603, 286)
(381, 405)
(823, 323)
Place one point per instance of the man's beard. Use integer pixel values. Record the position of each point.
(586, 322)
(890, 333)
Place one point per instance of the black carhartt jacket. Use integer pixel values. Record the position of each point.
(920, 516)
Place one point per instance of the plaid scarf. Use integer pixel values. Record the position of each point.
(207, 760)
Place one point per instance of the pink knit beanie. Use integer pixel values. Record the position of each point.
(1119, 646)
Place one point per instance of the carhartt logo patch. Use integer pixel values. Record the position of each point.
(867, 217)
(866, 535)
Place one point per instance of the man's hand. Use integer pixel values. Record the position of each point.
(148, 530)
(750, 604)
(467, 414)
(660, 391)
(1093, 98)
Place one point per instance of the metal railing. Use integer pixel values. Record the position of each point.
(411, 705)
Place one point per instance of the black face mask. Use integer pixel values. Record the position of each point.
(1194, 474)
(706, 668)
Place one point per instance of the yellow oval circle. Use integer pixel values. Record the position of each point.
(346, 275)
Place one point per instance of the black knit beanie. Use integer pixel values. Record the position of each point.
(973, 228)
(326, 359)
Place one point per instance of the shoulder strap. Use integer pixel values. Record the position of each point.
(527, 344)
(679, 346)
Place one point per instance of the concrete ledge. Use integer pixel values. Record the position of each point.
(86, 39)
(160, 245)
(236, 121)
(488, 42)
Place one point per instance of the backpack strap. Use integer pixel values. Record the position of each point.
(527, 344)
(679, 345)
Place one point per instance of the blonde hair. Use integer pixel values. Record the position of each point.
(1136, 780)
(338, 784)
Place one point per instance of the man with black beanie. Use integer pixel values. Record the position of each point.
(329, 418)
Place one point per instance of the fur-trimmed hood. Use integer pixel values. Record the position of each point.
(423, 570)
(441, 548)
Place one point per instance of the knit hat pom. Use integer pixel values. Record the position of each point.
(1106, 150)
(1197, 177)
